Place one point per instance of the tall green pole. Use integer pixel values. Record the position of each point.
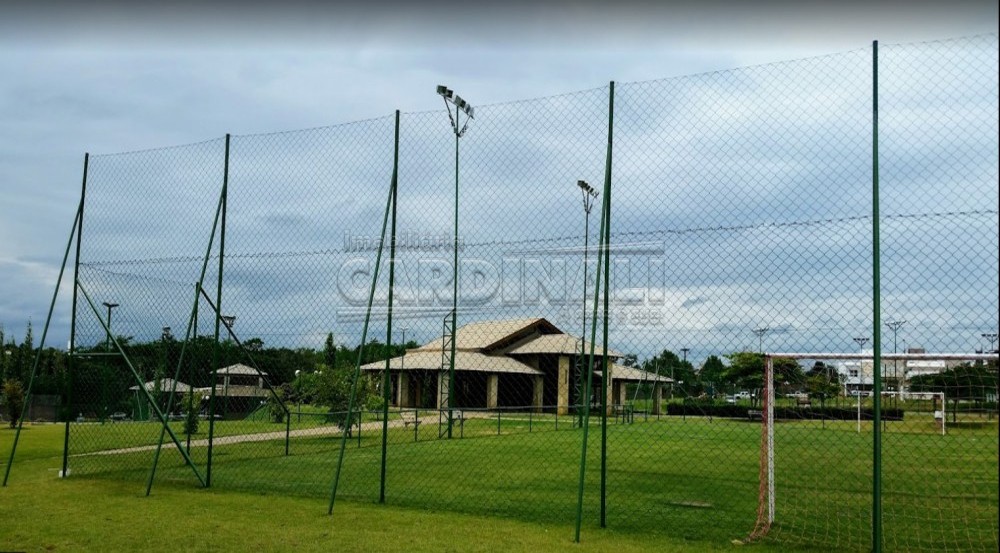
(606, 373)
(191, 334)
(41, 347)
(386, 380)
(71, 363)
(218, 303)
(876, 322)
(454, 296)
(361, 352)
(601, 258)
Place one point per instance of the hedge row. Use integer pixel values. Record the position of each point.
(788, 413)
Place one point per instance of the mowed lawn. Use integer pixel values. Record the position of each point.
(672, 484)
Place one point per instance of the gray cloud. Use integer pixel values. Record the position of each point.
(112, 79)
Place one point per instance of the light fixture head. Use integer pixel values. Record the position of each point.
(441, 89)
(459, 102)
(471, 112)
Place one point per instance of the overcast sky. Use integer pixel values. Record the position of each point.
(105, 77)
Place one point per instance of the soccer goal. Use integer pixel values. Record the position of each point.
(928, 454)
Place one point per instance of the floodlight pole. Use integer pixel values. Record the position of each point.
(861, 341)
(894, 327)
(992, 337)
(104, 377)
(461, 106)
(760, 332)
(589, 195)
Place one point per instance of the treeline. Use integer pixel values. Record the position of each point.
(190, 362)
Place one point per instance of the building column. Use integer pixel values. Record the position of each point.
(609, 383)
(538, 396)
(403, 390)
(657, 398)
(622, 391)
(562, 400)
(492, 390)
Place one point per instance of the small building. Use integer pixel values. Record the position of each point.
(239, 390)
(522, 363)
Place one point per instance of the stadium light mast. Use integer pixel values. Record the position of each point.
(459, 128)
(107, 350)
(589, 195)
(894, 327)
(992, 337)
(861, 341)
(760, 332)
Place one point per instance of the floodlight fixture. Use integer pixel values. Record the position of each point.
(461, 104)
(760, 332)
(228, 320)
(109, 305)
(992, 337)
(587, 189)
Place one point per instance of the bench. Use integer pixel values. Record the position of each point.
(803, 401)
(409, 417)
(755, 414)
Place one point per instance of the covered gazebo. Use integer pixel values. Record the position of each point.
(513, 363)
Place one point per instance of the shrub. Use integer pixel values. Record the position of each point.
(191, 416)
(13, 400)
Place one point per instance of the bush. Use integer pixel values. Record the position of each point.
(780, 413)
(191, 416)
(13, 400)
(275, 407)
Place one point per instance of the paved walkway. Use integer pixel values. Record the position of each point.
(244, 438)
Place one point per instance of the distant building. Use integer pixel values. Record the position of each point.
(523, 363)
(859, 375)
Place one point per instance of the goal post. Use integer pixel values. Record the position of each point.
(950, 377)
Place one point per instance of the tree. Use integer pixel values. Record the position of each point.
(965, 382)
(668, 364)
(822, 386)
(13, 400)
(746, 370)
(330, 352)
(713, 375)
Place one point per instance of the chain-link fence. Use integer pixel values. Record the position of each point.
(625, 255)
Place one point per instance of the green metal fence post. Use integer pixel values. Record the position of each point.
(876, 322)
(590, 362)
(218, 303)
(606, 373)
(191, 334)
(71, 363)
(361, 350)
(41, 345)
(386, 379)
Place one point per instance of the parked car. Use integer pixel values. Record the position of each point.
(118, 416)
(730, 399)
(743, 394)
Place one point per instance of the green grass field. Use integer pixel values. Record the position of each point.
(671, 482)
